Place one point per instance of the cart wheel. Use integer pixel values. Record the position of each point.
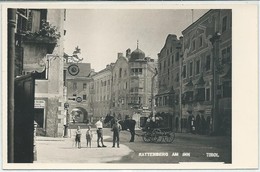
(157, 135)
(147, 137)
(169, 137)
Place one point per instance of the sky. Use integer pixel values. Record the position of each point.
(102, 33)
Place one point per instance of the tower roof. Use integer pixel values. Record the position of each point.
(137, 54)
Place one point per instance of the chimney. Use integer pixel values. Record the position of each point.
(119, 55)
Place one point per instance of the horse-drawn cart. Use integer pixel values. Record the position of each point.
(157, 129)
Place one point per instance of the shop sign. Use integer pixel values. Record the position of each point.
(39, 104)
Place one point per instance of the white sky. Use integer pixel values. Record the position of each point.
(101, 34)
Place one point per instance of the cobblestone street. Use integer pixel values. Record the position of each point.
(196, 147)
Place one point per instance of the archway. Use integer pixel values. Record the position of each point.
(79, 115)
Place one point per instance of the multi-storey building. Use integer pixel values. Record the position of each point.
(78, 87)
(39, 47)
(167, 98)
(101, 100)
(206, 73)
(132, 85)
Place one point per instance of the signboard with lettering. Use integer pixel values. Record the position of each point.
(38, 104)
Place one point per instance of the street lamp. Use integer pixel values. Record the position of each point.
(215, 43)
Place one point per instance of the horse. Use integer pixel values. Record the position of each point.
(126, 124)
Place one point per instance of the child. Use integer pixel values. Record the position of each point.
(89, 136)
(77, 139)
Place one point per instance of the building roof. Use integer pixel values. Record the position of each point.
(137, 54)
(196, 22)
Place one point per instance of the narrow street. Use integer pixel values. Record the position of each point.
(196, 148)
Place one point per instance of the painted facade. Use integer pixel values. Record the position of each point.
(78, 93)
(132, 85)
(206, 65)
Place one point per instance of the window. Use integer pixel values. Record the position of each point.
(164, 65)
(223, 55)
(200, 96)
(208, 94)
(184, 71)
(171, 49)
(198, 67)
(200, 41)
(137, 71)
(84, 97)
(228, 54)
(74, 85)
(172, 59)
(191, 68)
(120, 72)
(84, 86)
(169, 61)
(224, 24)
(177, 56)
(108, 82)
(177, 77)
(105, 83)
(193, 45)
(167, 51)
(160, 66)
(227, 89)
(208, 63)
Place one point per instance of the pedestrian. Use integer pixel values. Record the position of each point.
(89, 136)
(116, 128)
(77, 139)
(99, 126)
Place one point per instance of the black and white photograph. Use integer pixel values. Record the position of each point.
(133, 86)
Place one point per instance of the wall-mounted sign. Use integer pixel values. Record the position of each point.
(39, 104)
(73, 69)
(78, 99)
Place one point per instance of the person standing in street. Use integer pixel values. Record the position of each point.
(116, 128)
(89, 136)
(99, 126)
(77, 139)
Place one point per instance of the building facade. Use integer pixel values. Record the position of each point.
(102, 85)
(39, 47)
(206, 73)
(168, 96)
(132, 85)
(78, 86)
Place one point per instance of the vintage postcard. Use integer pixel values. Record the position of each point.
(156, 85)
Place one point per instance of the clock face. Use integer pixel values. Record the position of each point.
(73, 69)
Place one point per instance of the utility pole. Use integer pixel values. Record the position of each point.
(11, 73)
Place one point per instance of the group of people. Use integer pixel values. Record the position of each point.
(116, 128)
